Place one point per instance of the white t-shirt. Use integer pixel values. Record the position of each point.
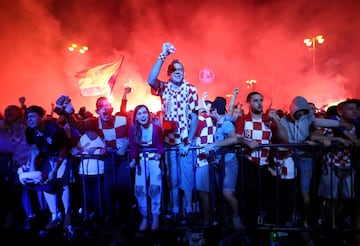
(91, 166)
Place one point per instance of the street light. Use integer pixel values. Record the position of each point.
(81, 49)
(311, 43)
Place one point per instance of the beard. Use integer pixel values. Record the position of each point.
(257, 111)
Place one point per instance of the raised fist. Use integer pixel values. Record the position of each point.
(61, 100)
(168, 48)
(127, 90)
(236, 91)
(22, 100)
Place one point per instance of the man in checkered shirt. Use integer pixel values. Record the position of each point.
(258, 128)
(113, 129)
(180, 104)
(252, 130)
(336, 183)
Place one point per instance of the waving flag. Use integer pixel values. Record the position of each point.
(99, 80)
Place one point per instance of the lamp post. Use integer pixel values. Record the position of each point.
(311, 43)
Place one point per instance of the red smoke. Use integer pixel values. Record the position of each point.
(238, 40)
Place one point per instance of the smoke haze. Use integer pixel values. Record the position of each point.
(239, 40)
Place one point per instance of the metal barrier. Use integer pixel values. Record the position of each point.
(282, 176)
(283, 161)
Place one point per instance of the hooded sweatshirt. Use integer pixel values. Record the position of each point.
(298, 130)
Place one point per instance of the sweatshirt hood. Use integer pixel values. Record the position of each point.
(298, 103)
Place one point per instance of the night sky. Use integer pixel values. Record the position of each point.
(238, 40)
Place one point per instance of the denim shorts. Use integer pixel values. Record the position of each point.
(230, 175)
(304, 168)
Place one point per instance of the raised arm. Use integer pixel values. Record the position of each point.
(153, 80)
(123, 105)
(233, 100)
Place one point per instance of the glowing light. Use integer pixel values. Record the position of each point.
(308, 42)
(129, 83)
(320, 39)
(250, 83)
(311, 42)
(74, 47)
(206, 75)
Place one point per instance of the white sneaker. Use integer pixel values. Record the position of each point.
(143, 225)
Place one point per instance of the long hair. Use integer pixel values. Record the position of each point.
(137, 126)
(16, 110)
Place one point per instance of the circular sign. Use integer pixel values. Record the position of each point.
(206, 75)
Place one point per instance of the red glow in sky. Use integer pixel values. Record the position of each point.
(237, 40)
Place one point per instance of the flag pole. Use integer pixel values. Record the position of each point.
(113, 78)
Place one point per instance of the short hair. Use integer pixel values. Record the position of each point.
(171, 67)
(100, 99)
(346, 102)
(331, 111)
(354, 100)
(248, 98)
(35, 109)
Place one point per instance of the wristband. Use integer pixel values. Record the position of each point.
(162, 57)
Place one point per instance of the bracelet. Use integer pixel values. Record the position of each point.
(162, 57)
(187, 141)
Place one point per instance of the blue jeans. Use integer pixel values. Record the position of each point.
(180, 175)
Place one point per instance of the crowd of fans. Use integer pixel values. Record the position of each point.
(297, 167)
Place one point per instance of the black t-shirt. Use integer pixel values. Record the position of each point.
(49, 140)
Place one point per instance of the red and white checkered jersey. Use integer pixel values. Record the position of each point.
(338, 156)
(91, 166)
(258, 130)
(204, 135)
(113, 134)
(178, 102)
(205, 130)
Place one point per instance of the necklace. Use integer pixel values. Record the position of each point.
(38, 133)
